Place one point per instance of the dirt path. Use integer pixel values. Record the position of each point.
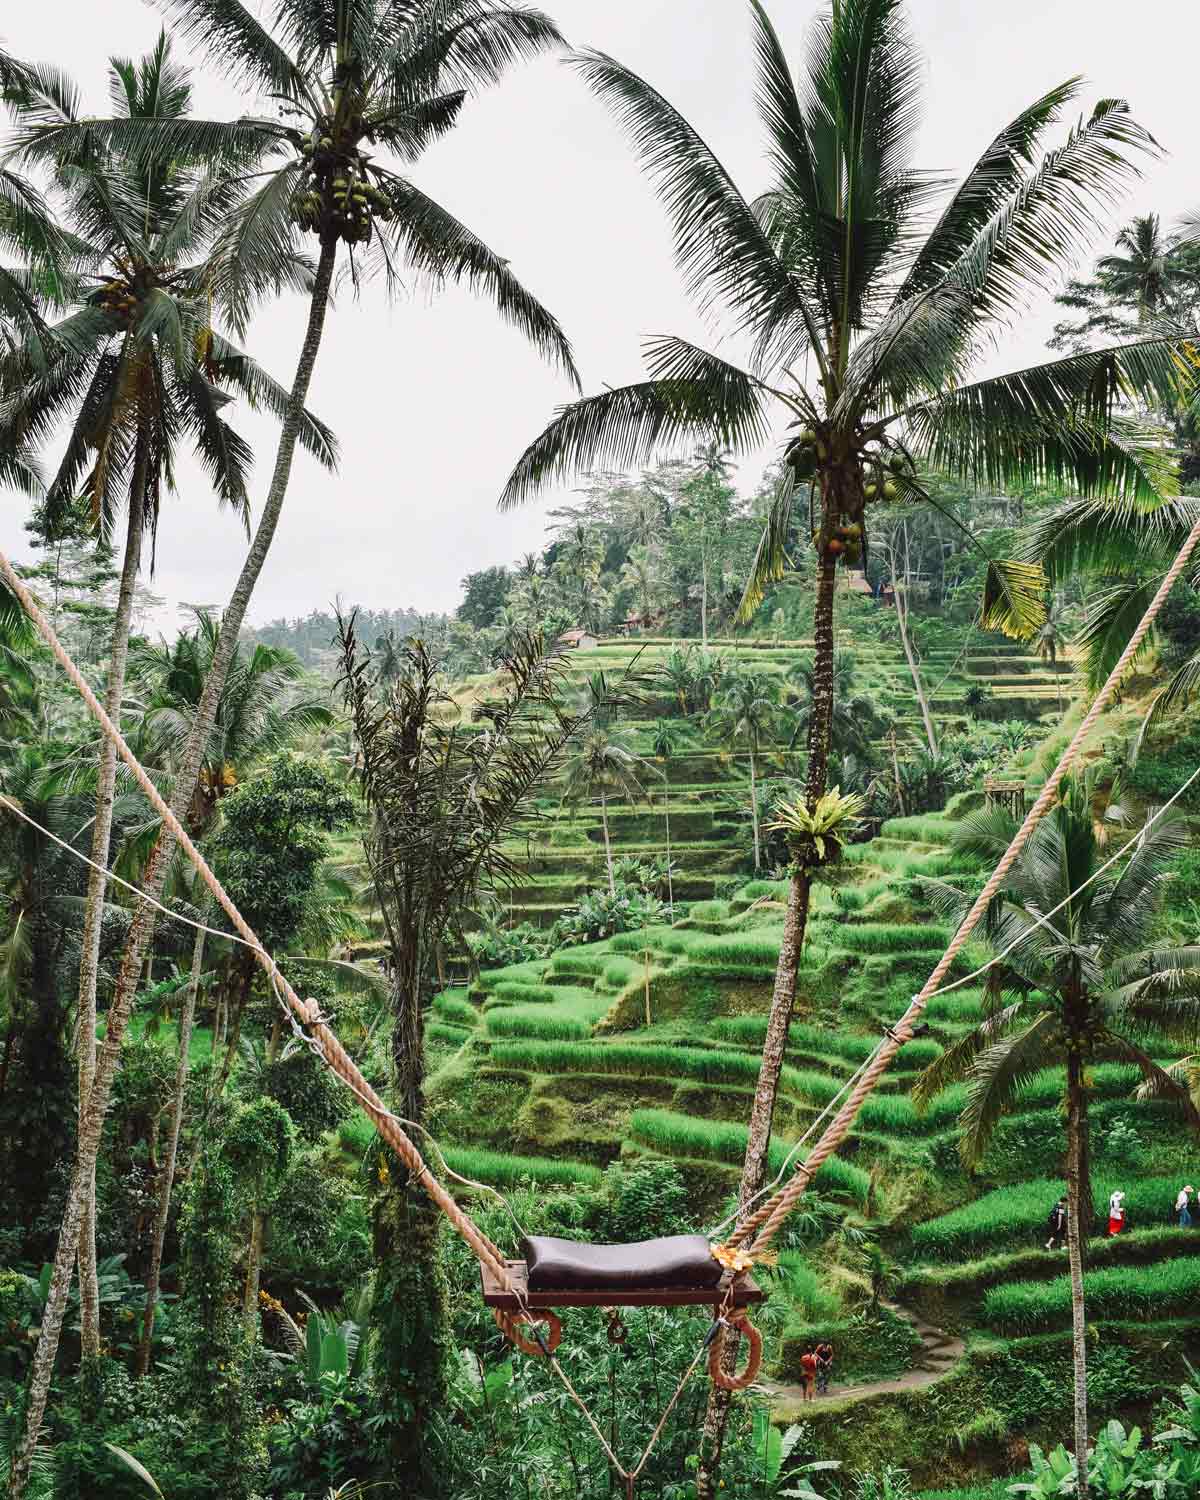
(940, 1353)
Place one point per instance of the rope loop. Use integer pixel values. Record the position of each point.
(509, 1325)
(737, 1322)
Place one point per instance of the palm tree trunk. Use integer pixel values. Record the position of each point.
(93, 911)
(795, 924)
(142, 928)
(1076, 1209)
(612, 882)
(704, 600)
(167, 1177)
(754, 813)
(913, 669)
(258, 1221)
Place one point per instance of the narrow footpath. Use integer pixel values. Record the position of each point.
(939, 1354)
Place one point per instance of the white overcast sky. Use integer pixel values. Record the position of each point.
(434, 400)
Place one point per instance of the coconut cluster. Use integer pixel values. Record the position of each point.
(335, 193)
(805, 456)
(121, 296)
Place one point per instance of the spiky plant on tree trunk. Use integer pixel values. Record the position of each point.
(850, 263)
(1085, 985)
(441, 802)
(398, 80)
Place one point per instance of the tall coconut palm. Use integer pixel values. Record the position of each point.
(849, 263)
(343, 76)
(744, 714)
(602, 762)
(1149, 271)
(131, 373)
(1085, 984)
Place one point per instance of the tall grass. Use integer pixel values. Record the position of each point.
(1000, 1219)
(890, 937)
(808, 1292)
(717, 1140)
(922, 828)
(540, 1021)
(1142, 1293)
(451, 1007)
(751, 1031)
(502, 1170)
(439, 1031)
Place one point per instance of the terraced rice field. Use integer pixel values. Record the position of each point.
(647, 1046)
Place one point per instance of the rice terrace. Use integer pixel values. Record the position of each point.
(600, 775)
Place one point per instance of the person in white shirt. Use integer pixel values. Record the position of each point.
(1116, 1213)
(1182, 1207)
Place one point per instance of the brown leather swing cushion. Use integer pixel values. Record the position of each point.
(678, 1261)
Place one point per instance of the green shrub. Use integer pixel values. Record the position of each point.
(1144, 1293)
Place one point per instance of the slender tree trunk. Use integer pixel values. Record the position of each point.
(258, 1222)
(704, 600)
(142, 928)
(93, 911)
(1076, 1209)
(612, 880)
(167, 1177)
(913, 669)
(754, 813)
(896, 773)
(795, 924)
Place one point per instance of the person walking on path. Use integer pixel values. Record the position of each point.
(808, 1371)
(1057, 1225)
(1116, 1213)
(824, 1353)
(1183, 1207)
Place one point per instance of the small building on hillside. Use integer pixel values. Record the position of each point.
(574, 639)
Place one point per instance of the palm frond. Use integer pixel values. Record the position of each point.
(263, 391)
(959, 1059)
(770, 556)
(437, 246)
(622, 428)
(999, 1072)
(234, 41)
(1014, 598)
(1109, 536)
(720, 245)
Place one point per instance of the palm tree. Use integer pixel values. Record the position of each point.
(392, 76)
(132, 371)
(602, 762)
(840, 266)
(262, 710)
(1084, 984)
(1150, 273)
(853, 713)
(1049, 641)
(744, 714)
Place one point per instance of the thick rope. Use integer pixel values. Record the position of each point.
(306, 1012)
(769, 1219)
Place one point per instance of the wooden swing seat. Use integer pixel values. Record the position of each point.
(677, 1271)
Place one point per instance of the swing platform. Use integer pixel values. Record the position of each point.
(677, 1271)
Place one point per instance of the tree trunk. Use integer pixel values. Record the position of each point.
(98, 884)
(754, 814)
(1076, 1210)
(795, 923)
(612, 880)
(258, 1221)
(93, 911)
(704, 601)
(167, 1177)
(142, 928)
(913, 669)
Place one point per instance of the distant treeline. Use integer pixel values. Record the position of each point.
(312, 637)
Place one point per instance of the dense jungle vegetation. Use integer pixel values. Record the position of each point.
(613, 880)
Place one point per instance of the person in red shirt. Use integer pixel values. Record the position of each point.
(808, 1371)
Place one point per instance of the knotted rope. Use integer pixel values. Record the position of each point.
(769, 1218)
